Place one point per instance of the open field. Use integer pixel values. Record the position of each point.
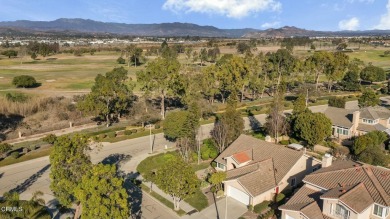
(66, 74)
(60, 72)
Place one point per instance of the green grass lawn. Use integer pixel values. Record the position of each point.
(161, 199)
(198, 200)
(29, 156)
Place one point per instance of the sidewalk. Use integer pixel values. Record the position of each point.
(183, 205)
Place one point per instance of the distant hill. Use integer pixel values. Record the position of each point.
(90, 26)
(74, 26)
(292, 31)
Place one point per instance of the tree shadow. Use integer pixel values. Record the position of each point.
(116, 159)
(28, 182)
(254, 123)
(9, 123)
(133, 188)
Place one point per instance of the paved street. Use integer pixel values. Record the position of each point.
(31, 176)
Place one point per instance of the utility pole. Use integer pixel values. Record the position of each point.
(199, 138)
(307, 96)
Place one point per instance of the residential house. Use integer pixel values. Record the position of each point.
(343, 190)
(347, 123)
(258, 170)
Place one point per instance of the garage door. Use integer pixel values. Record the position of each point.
(238, 195)
(289, 217)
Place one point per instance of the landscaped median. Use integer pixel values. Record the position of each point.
(150, 165)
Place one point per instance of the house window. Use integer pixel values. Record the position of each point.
(345, 132)
(368, 121)
(293, 182)
(381, 211)
(342, 131)
(220, 166)
(342, 212)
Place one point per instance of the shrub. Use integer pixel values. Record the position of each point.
(111, 134)
(128, 132)
(284, 142)
(121, 60)
(50, 138)
(250, 208)
(261, 207)
(338, 102)
(157, 126)
(220, 193)
(24, 81)
(214, 164)
(15, 155)
(16, 97)
(280, 197)
(33, 147)
(134, 130)
(4, 148)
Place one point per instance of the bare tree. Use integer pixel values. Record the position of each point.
(220, 135)
(277, 124)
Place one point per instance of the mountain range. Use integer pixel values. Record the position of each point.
(77, 25)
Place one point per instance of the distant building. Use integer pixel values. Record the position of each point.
(347, 123)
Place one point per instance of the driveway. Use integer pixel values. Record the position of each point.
(218, 211)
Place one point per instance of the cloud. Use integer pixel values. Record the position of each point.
(350, 24)
(229, 8)
(271, 24)
(384, 23)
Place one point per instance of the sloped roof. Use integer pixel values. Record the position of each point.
(349, 173)
(376, 112)
(283, 158)
(356, 197)
(242, 157)
(370, 128)
(258, 177)
(340, 117)
(303, 197)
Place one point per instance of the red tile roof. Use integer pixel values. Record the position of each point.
(241, 157)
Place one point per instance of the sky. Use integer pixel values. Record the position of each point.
(323, 15)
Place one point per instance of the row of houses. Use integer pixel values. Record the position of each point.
(258, 170)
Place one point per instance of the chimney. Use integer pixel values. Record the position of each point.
(327, 160)
(355, 121)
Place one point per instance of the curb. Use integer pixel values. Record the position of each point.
(164, 206)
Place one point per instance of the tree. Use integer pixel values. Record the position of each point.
(276, 123)
(228, 126)
(368, 98)
(243, 47)
(317, 63)
(173, 125)
(110, 96)
(337, 67)
(341, 46)
(24, 81)
(69, 163)
(281, 64)
(312, 127)
(216, 179)
(158, 76)
(219, 135)
(368, 149)
(4, 148)
(102, 194)
(34, 55)
(338, 102)
(177, 179)
(373, 74)
(299, 105)
(374, 156)
(10, 53)
(134, 54)
(351, 81)
(203, 56)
